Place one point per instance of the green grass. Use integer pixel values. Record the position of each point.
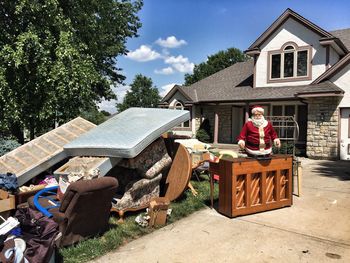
(120, 234)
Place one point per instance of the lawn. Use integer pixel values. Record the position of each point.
(120, 234)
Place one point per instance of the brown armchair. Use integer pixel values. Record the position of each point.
(84, 209)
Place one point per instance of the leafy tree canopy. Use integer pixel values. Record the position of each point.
(141, 94)
(215, 63)
(95, 116)
(58, 58)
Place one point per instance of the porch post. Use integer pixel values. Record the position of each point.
(216, 128)
(246, 112)
(193, 121)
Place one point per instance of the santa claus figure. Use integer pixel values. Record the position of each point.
(257, 135)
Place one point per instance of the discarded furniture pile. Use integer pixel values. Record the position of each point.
(71, 178)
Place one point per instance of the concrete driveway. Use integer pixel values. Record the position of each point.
(315, 229)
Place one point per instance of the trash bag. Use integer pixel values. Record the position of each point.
(39, 233)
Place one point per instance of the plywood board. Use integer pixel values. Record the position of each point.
(38, 155)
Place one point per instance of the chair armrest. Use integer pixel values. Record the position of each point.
(59, 217)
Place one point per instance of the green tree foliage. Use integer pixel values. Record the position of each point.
(142, 94)
(215, 63)
(7, 145)
(94, 116)
(58, 58)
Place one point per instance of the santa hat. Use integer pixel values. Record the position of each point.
(257, 108)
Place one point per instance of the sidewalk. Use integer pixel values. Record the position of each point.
(315, 229)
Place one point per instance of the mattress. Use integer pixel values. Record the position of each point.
(126, 134)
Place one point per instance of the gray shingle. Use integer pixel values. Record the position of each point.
(343, 35)
(241, 94)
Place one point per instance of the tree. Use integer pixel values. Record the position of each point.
(215, 63)
(95, 116)
(58, 58)
(142, 94)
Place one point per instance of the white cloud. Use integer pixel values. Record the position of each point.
(110, 105)
(170, 42)
(166, 88)
(180, 63)
(143, 53)
(165, 71)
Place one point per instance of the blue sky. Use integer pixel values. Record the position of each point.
(177, 34)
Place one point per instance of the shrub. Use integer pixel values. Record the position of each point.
(204, 134)
(7, 145)
(286, 148)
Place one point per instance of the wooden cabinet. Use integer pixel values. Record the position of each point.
(247, 185)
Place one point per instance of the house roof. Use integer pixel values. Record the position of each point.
(280, 20)
(234, 84)
(343, 35)
(218, 85)
(334, 69)
(173, 91)
(244, 94)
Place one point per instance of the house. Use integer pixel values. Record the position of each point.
(296, 69)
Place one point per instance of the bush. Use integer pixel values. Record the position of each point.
(286, 148)
(204, 134)
(7, 145)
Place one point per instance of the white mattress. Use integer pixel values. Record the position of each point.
(126, 134)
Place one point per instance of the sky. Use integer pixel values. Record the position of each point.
(178, 34)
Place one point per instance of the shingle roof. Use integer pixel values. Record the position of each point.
(240, 94)
(218, 85)
(343, 35)
(334, 69)
(288, 13)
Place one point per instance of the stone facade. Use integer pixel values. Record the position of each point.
(225, 121)
(322, 128)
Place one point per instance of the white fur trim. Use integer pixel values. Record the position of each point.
(258, 152)
(241, 141)
(259, 109)
(264, 124)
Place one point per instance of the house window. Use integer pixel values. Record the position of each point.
(290, 63)
(179, 106)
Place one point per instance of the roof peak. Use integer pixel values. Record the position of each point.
(288, 13)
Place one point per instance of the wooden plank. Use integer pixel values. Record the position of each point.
(34, 157)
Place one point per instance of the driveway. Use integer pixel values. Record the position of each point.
(315, 229)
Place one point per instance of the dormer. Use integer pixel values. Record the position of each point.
(293, 51)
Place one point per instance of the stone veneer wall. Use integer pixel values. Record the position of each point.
(225, 121)
(322, 135)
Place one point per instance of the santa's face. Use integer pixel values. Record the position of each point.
(258, 115)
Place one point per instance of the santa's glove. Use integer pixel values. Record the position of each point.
(277, 143)
(241, 144)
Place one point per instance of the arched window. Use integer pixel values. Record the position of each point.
(179, 106)
(289, 63)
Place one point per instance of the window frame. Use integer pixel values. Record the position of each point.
(282, 51)
(178, 105)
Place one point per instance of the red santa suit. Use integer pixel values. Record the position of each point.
(258, 140)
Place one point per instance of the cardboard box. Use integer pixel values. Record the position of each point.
(7, 204)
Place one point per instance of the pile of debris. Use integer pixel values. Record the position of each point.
(127, 147)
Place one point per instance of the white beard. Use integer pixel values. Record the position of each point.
(258, 122)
